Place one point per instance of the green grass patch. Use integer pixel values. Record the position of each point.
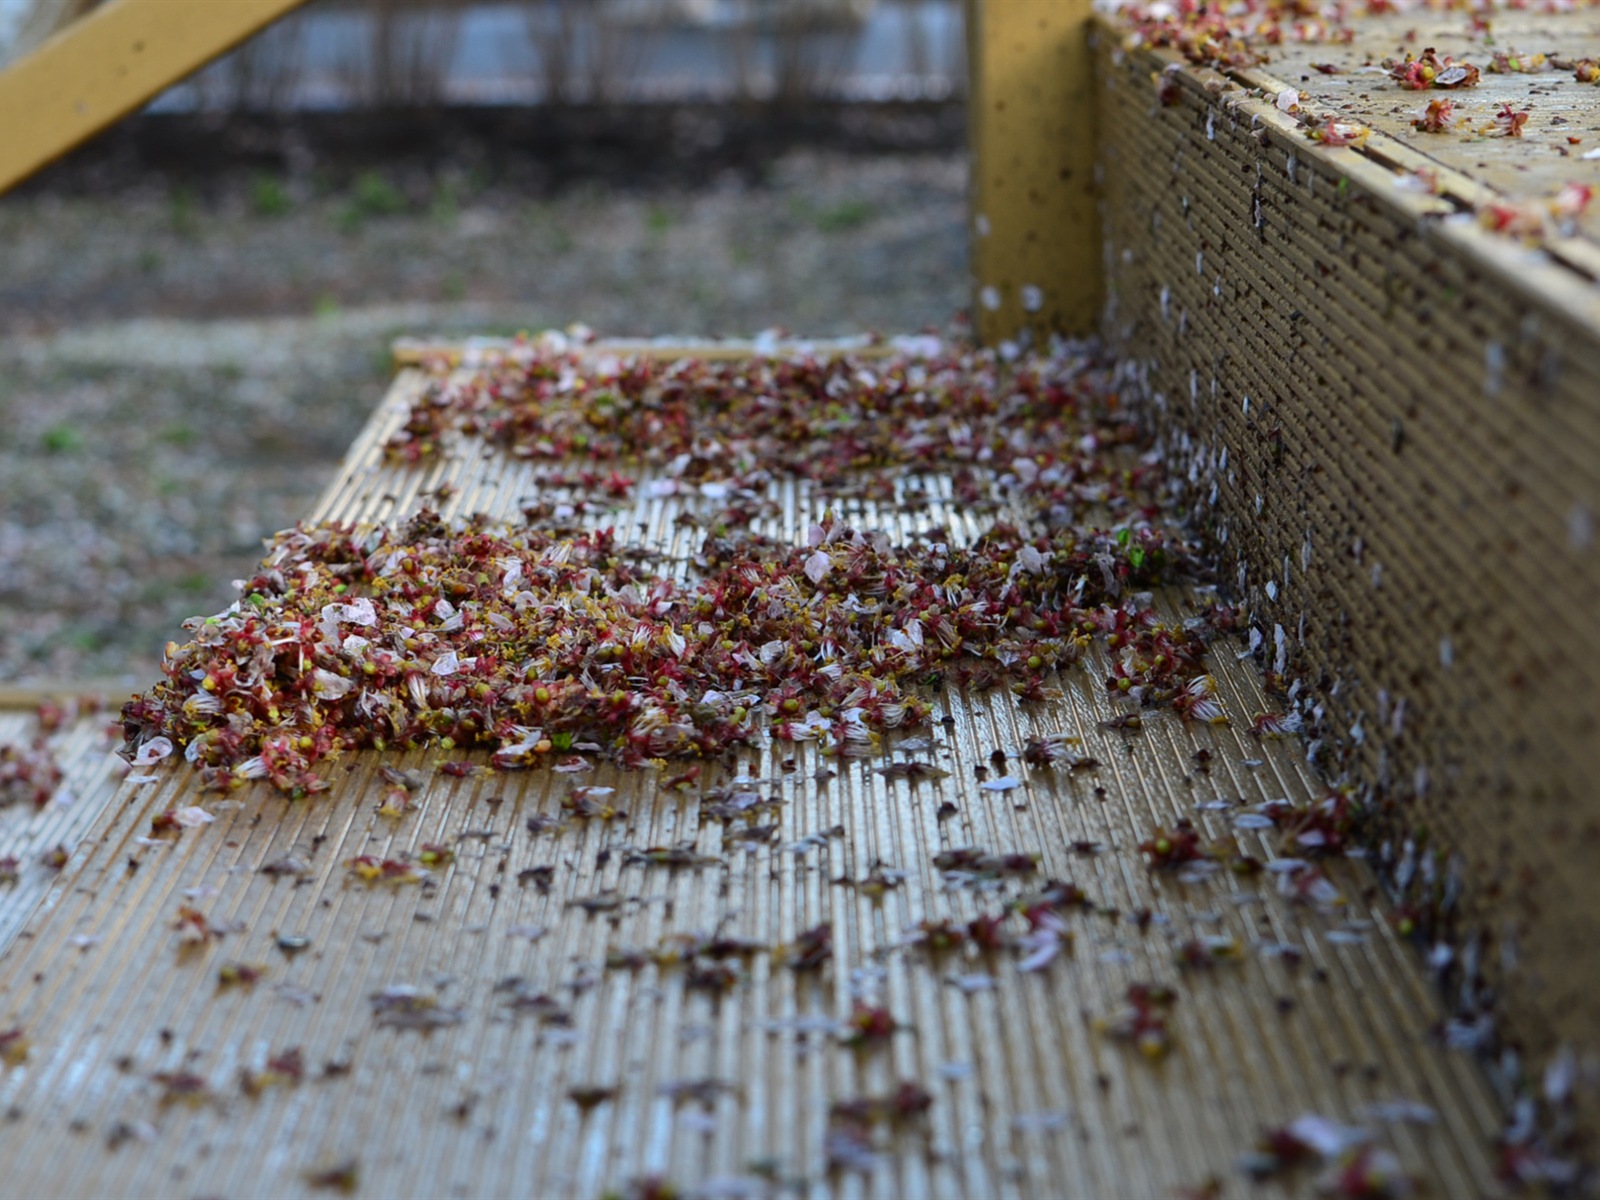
(61, 439)
(847, 214)
(371, 196)
(268, 196)
(184, 212)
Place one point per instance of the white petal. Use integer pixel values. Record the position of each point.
(525, 739)
(1042, 957)
(330, 686)
(818, 566)
(361, 612)
(153, 752)
(1004, 784)
(1327, 1138)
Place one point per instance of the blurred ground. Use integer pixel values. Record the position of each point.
(184, 355)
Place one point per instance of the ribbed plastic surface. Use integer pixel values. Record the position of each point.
(1392, 414)
(724, 1094)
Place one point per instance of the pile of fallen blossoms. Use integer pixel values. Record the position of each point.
(843, 423)
(546, 645)
(1237, 35)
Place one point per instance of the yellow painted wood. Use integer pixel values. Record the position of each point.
(1036, 245)
(100, 68)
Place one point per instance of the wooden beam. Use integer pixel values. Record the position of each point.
(1036, 248)
(20, 696)
(101, 68)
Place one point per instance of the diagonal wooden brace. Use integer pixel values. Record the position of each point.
(104, 66)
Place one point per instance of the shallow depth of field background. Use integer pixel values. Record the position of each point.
(195, 310)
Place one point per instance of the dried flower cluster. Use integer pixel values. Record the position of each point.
(1420, 72)
(1334, 133)
(550, 645)
(1437, 117)
(851, 1123)
(1234, 36)
(1241, 35)
(1534, 220)
(29, 773)
(1143, 1021)
(1353, 1166)
(30, 768)
(545, 643)
(718, 427)
(1510, 62)
(1508, 122)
